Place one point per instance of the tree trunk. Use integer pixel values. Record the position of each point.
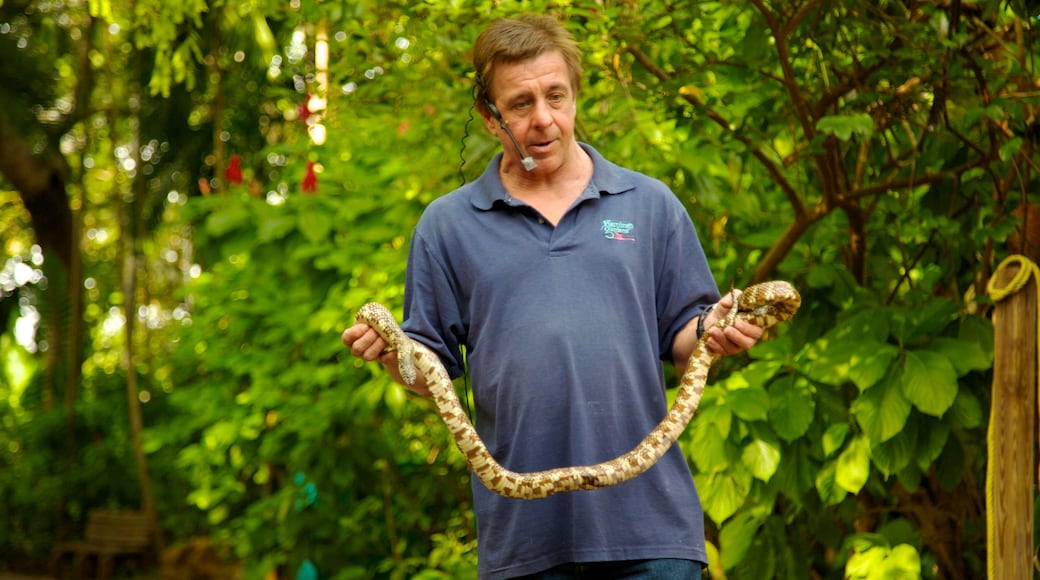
(133, 228)
(40, 179)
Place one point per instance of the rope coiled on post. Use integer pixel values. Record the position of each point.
(1027, 269)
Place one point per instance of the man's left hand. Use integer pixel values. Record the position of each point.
(740, 336)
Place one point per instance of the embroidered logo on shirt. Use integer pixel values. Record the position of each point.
(620, 231)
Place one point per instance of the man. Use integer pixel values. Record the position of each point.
(567, 279)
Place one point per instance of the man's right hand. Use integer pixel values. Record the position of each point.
(365, 343)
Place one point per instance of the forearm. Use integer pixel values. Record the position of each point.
(684, 343)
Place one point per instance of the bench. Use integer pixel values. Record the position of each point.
(110, 535)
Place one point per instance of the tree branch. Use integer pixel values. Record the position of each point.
(689, 97)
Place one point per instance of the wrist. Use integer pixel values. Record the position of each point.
(700, 321)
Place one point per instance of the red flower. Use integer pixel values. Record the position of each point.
(234, 170)
(310, 180)
(304, 111)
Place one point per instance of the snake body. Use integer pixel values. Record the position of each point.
(763, 305)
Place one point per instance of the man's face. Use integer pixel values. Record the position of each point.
(538, 104)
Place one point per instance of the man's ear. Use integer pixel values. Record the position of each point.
(490, 122)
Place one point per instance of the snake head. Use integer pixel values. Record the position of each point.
(768, 303)
(406, 362)
(382, 321)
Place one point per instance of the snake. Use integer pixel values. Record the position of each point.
(764, 305)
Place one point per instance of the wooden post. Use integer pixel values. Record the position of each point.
(1010, 476)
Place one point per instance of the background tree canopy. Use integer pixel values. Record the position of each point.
(195, 197)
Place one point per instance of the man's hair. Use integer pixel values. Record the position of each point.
(510, 40)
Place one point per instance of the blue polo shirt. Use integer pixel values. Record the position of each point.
(565, 329)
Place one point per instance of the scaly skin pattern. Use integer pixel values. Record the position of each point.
(763, 305)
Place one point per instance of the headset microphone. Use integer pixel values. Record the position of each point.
(527, 160)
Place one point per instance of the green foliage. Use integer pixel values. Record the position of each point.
(283, 429)
(875, 154)
(882, 555)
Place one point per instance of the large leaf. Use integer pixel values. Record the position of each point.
(929, 381)
(931, 442)
(853, 466)
(793, 408)
(966, 411)
(893, 455)
(228, 218)
(794, 477)
(827, 486)
(834, 438)
(709, 446)
(736, 536)
(762, 458)
(965, 354)
(882, 411)
(862, 361)
(750, 403)
(845, 126)
(723, 492)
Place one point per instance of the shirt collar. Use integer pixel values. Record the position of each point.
(607, 178)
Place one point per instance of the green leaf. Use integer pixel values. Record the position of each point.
(736, 537)
(903, 563)
(840, 285)
(762, 458)
(909, 477)
(932, 441)
(750, 404)
(949, 467)
(843, 126)
(900, 531)
(723, 492)
(929, 381)
(834, 438)
(225, 219)
(794, 478)
(895, 454)
(793, 408)
(760, 372)
(864, 362)
(275, 227)
(315, 226)
(865, 323)
(882, 411)
(711, 446)
(853, 466)
(966, 411)
(826, 486)
(966, 355)
(863, 564)
(873, 558)
(1010, 148)
(979, 330)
